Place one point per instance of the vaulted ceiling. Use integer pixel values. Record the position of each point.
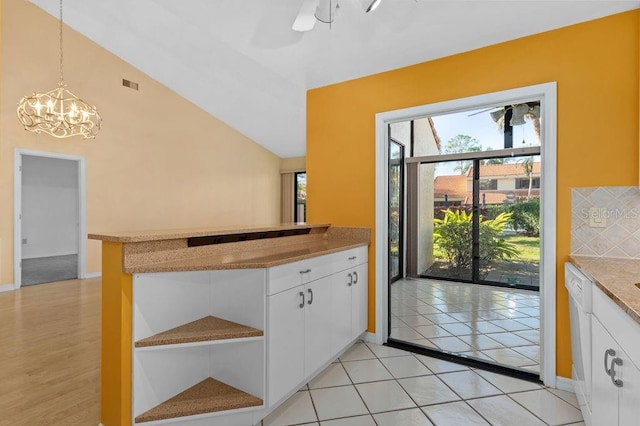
(240, 60)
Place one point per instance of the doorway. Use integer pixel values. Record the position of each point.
(49, 225)
(545, 95)
(468, 191)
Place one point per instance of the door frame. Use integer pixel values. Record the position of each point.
(546, 92)
(17, 210)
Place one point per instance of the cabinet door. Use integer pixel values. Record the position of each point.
(341, 284)
(285, 342)
(359, 301)
(317, 324)
(604, 395)
(629, 404)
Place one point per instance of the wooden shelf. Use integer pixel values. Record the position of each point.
(208, 396)
(205, 329)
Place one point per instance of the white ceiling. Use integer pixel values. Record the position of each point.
(240, 60)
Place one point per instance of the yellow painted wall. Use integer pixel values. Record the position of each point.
(159, 161)
(595, 65)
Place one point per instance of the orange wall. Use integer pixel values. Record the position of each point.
(158, 162)
(595, 65)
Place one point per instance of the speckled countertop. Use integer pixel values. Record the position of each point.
(249, 259)
(616, 278)
(173, 234)
(169, 251)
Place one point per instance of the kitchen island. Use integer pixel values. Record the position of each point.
(218, 326)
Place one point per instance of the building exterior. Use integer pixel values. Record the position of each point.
(499, 183)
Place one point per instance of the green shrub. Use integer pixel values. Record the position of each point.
(525, 217)
(453, 237)
(491, 211)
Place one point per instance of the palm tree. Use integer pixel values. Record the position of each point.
(527, 166)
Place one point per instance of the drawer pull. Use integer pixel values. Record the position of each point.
(301, 305)
(355, 274)
(353, 258)
(306, 271)
(350, 283)
(310, 296)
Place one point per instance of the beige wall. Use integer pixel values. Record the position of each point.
(293, 164)
(159, 161)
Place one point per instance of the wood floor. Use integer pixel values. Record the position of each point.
(50, 354)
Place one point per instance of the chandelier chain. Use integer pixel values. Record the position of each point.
(61, 52)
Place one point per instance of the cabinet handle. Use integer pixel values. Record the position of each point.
(353, 258)
(301, 305)
(606, 362)
(356, 275)
(350, 283)
(310, 296)
(612, 373)
(306, 271)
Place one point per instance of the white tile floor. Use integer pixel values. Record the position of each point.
(376, 385)
(495, 324)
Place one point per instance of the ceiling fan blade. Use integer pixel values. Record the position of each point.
(306, 18)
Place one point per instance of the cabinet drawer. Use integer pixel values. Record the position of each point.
(284, 277)
(623, 329)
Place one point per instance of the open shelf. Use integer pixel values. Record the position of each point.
(205, 329)
(208, 396)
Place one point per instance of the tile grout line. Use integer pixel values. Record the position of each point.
(354, 385)
(504, 302)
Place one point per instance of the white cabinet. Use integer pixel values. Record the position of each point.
(349, 306)
(286, 336)
(198, 333)
(615, 376)
(241, 337)
(312, 317)
(317, 325)
(359, 301)
(299, 335)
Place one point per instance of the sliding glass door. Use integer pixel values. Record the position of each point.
(486, 222)
(396, 210)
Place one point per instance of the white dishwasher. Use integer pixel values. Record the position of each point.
(580, 309)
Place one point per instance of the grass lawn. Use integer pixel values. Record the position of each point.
(529, 247)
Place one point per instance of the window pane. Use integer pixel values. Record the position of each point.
(301, 197)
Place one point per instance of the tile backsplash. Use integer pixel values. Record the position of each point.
(605, 221)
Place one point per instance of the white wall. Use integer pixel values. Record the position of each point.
(508, 184)
(49, 207)
(424, 144)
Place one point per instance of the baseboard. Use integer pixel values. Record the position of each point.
(7, 287)
(49, 255)
(92, 275)
(564, 384)
(369, 337)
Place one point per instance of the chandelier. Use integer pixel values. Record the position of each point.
(59, 112)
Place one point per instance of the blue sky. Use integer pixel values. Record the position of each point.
(481, 127)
